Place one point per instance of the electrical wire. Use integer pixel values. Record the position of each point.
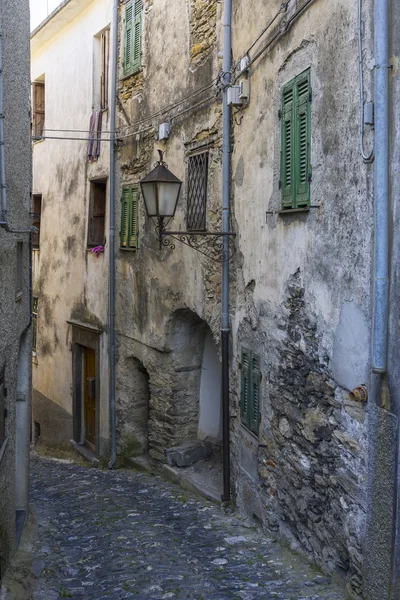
(367, 158)
(174, 105)
(283, 9)
(281, 31)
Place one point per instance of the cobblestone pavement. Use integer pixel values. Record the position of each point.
(122, 534)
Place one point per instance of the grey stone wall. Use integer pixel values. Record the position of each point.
(14, 311)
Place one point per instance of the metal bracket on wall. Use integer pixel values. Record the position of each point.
(208, 243)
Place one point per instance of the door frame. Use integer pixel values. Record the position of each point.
(89, 337)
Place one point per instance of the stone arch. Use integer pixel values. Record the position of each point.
(133, 407)
(181, 385)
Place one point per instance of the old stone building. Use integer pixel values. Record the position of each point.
(70, 95)
(15, 306)
(301, 304)
(288, 165)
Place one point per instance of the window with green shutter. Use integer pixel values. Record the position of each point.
(295, 142)
(250, 390)
(133, 36)
(129, 217)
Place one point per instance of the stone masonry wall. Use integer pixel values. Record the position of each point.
(311, 459)
(203, 30)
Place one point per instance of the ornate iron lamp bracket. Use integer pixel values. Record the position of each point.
(208, 243)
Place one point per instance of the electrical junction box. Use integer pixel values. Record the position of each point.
(244, 90)
(369, 113)
(243, 63)
(163, 131)
(233, 96)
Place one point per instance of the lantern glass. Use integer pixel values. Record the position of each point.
(167, 198)
(149, 191)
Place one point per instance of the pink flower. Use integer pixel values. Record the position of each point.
(97, 250)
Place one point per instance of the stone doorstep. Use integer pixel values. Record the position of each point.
(188, 453)
(176, 475)
(86, 453)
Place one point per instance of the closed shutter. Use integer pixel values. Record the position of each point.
(302, 140)
(255, 394)
(137, 38)
(97, 214)
(38, 109)
(133, 36)
(287, 145)
(245, 388)
(128, 37)
(124, 217)
(133, 218)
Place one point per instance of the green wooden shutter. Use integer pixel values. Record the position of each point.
(133, 218)
(128, 38)
(137, 36)
(245, 388)
(124, 217)
(287, 146)
(302, 140)
(255, 394)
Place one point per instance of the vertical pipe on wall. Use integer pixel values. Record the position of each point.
(111, 237)
(381, 276)
(226, 190)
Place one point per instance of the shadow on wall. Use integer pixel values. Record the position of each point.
(178, 397)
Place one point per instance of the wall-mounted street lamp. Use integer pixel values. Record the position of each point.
(160, 191)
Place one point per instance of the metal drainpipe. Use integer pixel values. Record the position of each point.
(111, 237)
(381, 292)
(226, 190)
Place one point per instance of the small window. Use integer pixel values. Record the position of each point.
(250, 391)
(197, 191)
(36, 215)
(2, 411)
(129, 217)
(38, 108)
(295, 142)
(97, 211)
(19, 271)
(101, 44)
(133, 37)
(34, 323)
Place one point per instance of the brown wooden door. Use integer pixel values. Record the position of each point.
(89, 384)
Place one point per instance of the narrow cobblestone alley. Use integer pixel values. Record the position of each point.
(122, 534)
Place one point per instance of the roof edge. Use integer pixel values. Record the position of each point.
(49, 17)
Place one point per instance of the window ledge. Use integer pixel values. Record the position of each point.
(35, 142)
(291, 211)
(135, 72)
(35, 249)
(256, 436)
(129, 249)
(3, 448)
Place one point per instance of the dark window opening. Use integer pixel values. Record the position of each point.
(38, 108)
(197, 191)
(97, 211)
(36, 215)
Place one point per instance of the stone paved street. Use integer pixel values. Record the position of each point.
(121, 534)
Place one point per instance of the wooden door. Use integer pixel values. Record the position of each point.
(89, 387)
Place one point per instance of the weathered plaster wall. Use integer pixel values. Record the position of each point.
(14, 313)
(300, 283)
(303, 294)
(168, 297)
(70, 282)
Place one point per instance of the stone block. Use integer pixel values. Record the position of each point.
(188, 453)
